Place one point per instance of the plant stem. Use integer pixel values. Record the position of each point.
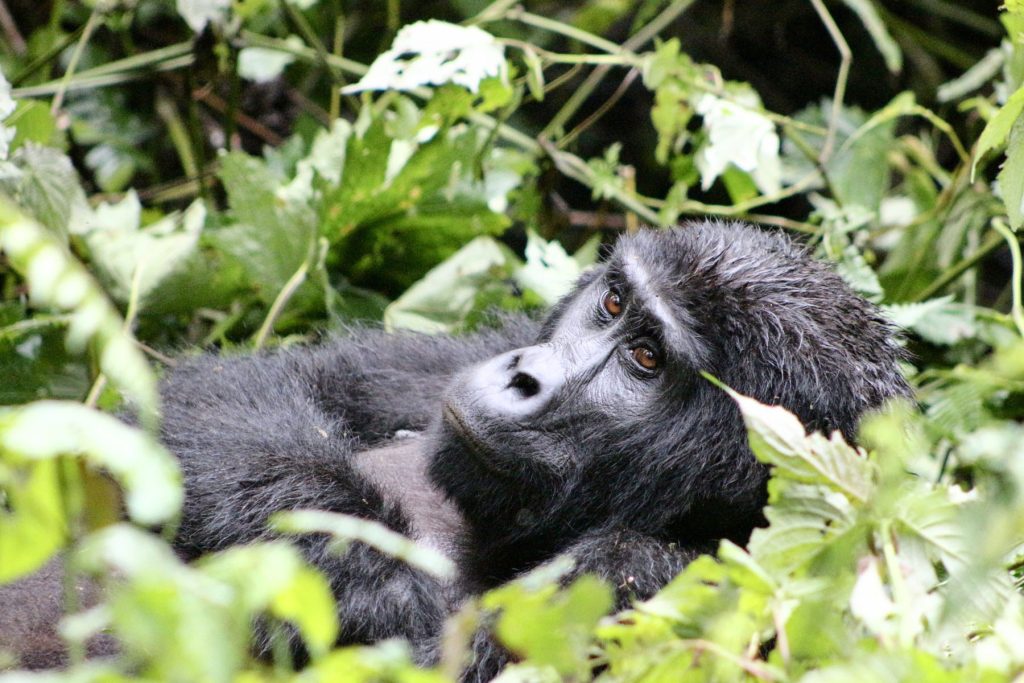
(1017, 307)
(76, 55)
(839, 93)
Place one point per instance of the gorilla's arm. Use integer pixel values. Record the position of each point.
(635, 564)
(255, 435)
(379, 383)
(258, 435)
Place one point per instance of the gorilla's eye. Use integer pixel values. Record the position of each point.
(645, 358)
(612, 303)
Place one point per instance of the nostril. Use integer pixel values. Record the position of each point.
(525, 384)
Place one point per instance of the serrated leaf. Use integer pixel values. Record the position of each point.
(44, 183)
(802, 521)
(778, 438)
(271, 236)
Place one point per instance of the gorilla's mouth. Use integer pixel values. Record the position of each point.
(480, 451)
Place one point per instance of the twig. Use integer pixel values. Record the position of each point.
(955, 271)
(598, 113)
(76, 55)
(1016, 308)
(129, 319)
(845, 60)
(14, 37)
(641, 37)
(286, 293)
(39, 322)
(585, 37)
(150, 351)
(748, 665)
(214, 101)
(495, 10)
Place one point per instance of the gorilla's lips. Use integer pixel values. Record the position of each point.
(479, 451)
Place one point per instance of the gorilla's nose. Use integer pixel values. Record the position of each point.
(526, 385)
(522, 382)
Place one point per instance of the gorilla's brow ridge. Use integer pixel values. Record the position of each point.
(673, 324)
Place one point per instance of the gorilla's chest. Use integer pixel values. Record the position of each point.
(399, 472)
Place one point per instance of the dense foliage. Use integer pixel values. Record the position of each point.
(206, 173)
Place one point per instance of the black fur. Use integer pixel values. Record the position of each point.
(564, 446)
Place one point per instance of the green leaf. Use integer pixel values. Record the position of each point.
(175, 622)
(446, 295)
(391, 254)
(32, 522)
(147, 472)
(32, 122)
(802, 521)
(998, 128)
(307, 602)
(271, 236)
(551, 627)
(1011, 176)
(549, 271)
(778, 438)
(44, 183)
(274, 577)
(127, 256)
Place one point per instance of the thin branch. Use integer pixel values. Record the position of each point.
(1016, 308)
(958, 269)
(845, 60)
(76, 55)
(14, 37)
(600, 111)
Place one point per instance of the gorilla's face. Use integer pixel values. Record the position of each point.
(600, 365)
(606, 419)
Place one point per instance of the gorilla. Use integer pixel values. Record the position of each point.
(590, 434)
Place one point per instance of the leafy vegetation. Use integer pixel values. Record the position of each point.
(239, 175)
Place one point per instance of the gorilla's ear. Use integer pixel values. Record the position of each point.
(566, 302)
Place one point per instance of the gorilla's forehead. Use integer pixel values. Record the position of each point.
(659, 294)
